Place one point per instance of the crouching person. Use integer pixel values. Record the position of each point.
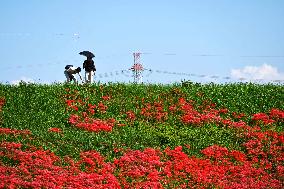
(70, 72)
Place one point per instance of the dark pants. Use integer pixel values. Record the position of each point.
(69, 76)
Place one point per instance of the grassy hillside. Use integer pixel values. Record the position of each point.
(113, 119)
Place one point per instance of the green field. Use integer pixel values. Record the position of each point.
(133, 117)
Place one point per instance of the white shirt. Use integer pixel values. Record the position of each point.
(72, 70)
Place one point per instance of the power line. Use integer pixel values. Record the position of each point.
(127, 73)
(149, 71)
(188, 76)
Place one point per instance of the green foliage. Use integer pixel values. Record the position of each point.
(40, 107)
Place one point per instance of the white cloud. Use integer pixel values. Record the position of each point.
(263, 72)
(22, 79)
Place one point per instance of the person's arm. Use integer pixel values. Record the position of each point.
(94, 67)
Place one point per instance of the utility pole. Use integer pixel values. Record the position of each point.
(137, 68)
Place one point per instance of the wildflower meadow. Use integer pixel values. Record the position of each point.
(119, 135)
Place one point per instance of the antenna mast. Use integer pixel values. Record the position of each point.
(137, 68)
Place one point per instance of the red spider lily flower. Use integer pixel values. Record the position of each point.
(10, 145)
(227, 122)
(140, 169)
(69, 102)
(269, 121)
(172, 108)
(2, 101)
(239, 124)
(280, 170)
(111, 120)
(239, 156)
(212, 105)
(84, 114)
(187, 107)
(92, 158)
(143, 111)
(73, 119)
(260, 116)
(14, 131)
(276, 113)
(159, 108)
(116, 150)
(94, 125)
(106, 98)
(238, 115)
(182, 101)
(223, 111)
(215, 151)
(130, 115)
(161, 116)
(55, 130)
(40, 169)
(6, 131)
(121, 124)
(281, 138)
(187, 146)
(102, 107)
(154, 176)
(91, 109)
(191, 118)
(81, 102)
(177, 152)
(74, 108)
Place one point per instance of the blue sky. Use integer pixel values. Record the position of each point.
(226, 38)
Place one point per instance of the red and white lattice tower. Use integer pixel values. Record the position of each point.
(137, 68)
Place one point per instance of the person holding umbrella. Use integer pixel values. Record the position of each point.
(89, 66)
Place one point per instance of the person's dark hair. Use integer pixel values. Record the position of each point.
(78, 69)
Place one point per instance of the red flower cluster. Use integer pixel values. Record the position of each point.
(85, 120)
(106, 97)
(266, 150)
(215, 152)
(194, 117)
(90, 124)
(71, 104)
(220, 168)
(276, 114)
(139, 169)
(259, 165)
(14, 131)
(55, 130)
(211, 115)
(131, 115)
(2, 102)
(41, 169)
(262, 117)
(154, 112)
(102, 107)
(150, 168)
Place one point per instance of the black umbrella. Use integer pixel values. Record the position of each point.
(87, 54)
